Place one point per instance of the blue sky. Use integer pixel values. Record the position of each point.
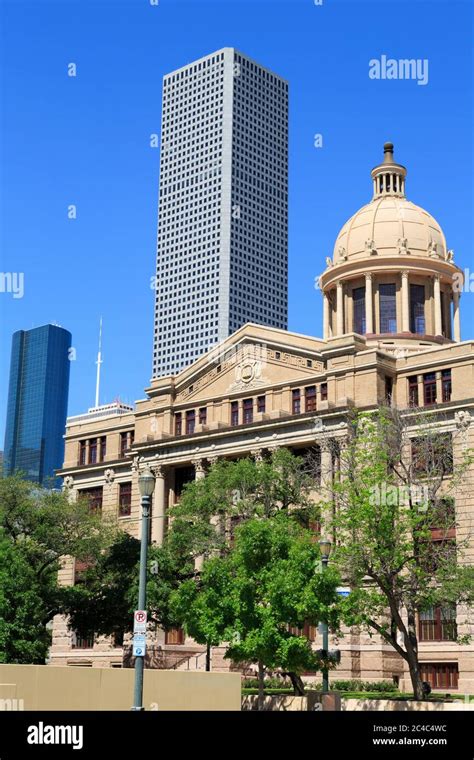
(86, 141)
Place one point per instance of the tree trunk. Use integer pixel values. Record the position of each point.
(415, 675)
(297, 683)
(208, 657)
(261, 685)
(411, 647)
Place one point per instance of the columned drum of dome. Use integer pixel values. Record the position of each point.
(392, 277)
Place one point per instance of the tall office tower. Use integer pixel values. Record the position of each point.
(37, 403)
(222, 256)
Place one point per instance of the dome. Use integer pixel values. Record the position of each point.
(391, 278)
(388, 226)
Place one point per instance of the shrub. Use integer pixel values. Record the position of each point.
(269, 683)
(354, 684)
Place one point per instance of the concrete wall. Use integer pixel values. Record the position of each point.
(404, 706)
(44, 688)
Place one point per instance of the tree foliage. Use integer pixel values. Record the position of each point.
(256, 597)
(38, 528)
(395, 489)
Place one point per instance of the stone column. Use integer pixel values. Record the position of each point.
(340, 308)
(326, 464)
(456, 316)
(369, 306)
(327, 477)
(405, 302)
(421, 390)
(159, 506)
(325, 316)
(200, 472)
(438, 324)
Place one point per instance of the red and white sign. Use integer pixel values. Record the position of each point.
(139, 621)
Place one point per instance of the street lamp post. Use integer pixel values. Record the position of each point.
(325, 548)
(146, 486)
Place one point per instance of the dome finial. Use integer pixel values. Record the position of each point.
(388, 153)
(389, 177)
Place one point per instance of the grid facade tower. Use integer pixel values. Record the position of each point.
(222, 252)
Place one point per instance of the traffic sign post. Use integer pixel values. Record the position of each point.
(139, 621)
(139, 645)
(146, 484)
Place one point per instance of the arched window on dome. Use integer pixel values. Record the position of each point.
(388, 308)
(358, 300)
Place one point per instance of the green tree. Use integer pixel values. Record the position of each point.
(24, 607)
(38, 528)
(235, 491)
(395, 487)
(251, 597)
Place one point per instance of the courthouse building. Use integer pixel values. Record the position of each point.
(391, 293)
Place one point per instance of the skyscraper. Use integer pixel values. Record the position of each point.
(37, 402)
(222, 255)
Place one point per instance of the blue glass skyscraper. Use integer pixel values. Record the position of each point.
(37, 403)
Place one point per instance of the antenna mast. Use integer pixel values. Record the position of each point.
(98, 362)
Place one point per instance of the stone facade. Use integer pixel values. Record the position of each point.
(263, 388)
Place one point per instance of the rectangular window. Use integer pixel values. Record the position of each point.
(82, 452)
(440, 675)
(80, 642)
(308, 631)
(178, 423)
(174, 636)
(123, 444)
(234, 413)
(310, 398)
(429, 388)
(446, 384)
(296, 401)
(324, 391)
(80, 568)
(438, 624)
(125, 499)
(203, 415)
(248, 410)
(94, 497)
(388, 389)
(388, 308)
(190, 421)
(93, 451)
(413, 390)
(261, 404)
(417, 309)
(432, 455)
(358, 300)
(442, 519)
(103, 448)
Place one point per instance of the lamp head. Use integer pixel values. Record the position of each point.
(146, 482)
(325, 547)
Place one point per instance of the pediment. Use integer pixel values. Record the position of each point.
(246, 367)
